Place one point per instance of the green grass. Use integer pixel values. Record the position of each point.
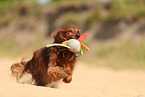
(127, 9)
(71, 19)
(10, 47)
(94, 18)
(128, 55)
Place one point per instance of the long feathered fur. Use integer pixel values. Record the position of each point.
(17, 69)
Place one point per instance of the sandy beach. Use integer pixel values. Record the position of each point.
(87, 82)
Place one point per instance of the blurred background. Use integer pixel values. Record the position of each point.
(116, 29)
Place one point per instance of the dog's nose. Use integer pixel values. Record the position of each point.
(77, 35)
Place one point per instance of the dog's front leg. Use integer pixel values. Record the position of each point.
(68, 79)
(56, 73)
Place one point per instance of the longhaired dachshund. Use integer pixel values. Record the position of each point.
(50, 64)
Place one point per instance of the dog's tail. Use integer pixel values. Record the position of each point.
(17, 69)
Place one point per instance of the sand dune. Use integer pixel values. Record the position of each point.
(87, 82)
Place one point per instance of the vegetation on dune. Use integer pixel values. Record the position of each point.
(119, 8)
(115, 9)
(127, 55)
(128, 9)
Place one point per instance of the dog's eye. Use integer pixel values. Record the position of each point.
(70, 31)
(78, 31)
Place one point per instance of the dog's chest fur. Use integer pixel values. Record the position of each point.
(65, 58)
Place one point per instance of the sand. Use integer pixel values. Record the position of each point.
(87, 82)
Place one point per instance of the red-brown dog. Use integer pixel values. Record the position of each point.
(50, 64)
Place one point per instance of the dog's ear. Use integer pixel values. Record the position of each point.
(58, 36)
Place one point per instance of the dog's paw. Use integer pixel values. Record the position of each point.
(68, 79)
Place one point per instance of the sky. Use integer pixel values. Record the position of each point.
(43, 1)
(46, 1)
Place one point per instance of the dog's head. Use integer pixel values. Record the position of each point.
(65, 34)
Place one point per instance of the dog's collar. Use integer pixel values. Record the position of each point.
(80, 53)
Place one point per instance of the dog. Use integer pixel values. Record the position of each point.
(50, 64)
